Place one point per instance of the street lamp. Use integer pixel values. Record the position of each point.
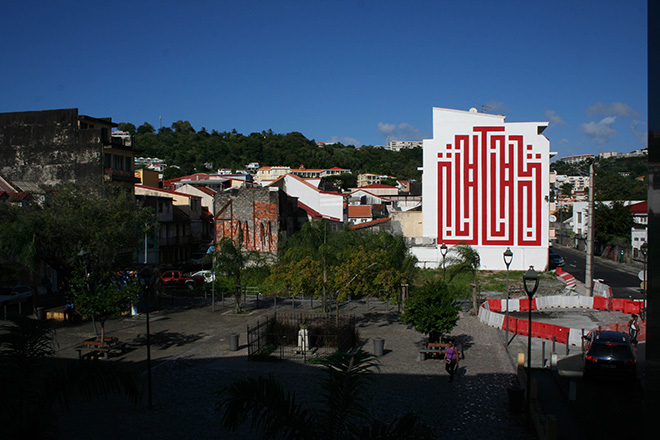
(531, 283)
(508, 258)
(443, 251)
(644, 248)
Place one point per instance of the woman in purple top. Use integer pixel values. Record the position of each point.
(451, 359)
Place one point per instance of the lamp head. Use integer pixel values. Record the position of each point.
(644, 248)
(443, 249)
(531, 281)
(508, 257)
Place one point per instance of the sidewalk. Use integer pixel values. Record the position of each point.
(192, 361)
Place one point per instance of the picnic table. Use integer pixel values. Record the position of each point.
(95, 347)
(436, 350)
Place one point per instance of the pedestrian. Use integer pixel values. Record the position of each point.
(451, 359)
(633, 329)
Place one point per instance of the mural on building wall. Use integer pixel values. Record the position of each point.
(489, 189)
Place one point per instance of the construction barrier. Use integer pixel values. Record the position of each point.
(488, 314)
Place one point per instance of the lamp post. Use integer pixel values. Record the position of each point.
(147, 281)
(531, 283)
(443, 251)
(508, 258)
(644, 248)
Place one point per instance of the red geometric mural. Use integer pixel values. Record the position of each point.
(489, 190)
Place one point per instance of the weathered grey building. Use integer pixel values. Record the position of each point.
(52, 146)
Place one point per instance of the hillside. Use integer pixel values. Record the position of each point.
(201, 151)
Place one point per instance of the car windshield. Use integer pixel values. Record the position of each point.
(620, 352)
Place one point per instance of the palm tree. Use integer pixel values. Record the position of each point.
(33, 382)
(343, 414)
(466, 259)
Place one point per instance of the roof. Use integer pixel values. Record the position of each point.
(640, 208)
(359, 211)
(378, 186)
(166, 191)
(371, 223)
(315, 214)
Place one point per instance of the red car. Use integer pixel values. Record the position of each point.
(178, 278)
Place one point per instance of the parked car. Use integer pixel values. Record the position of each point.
(554, 260)
(209, 276)
(178, 278)
(609, 354)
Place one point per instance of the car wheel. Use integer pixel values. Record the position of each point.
(190, 286)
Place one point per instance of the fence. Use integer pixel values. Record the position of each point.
(281, 336)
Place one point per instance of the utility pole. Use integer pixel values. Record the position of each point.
(589, 275)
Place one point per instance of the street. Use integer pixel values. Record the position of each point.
(622, 278)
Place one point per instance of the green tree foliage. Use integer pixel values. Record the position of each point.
(341, 412)
(567, 189)
(432, 309)
(615, 178)
(180, 145)
(612, 224)
(103, 222)
(34, 387)
(465, 259)
(102, 295)
(319, 261)
(338, 183)
(233, 261)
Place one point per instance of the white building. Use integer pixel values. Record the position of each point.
(486, 184)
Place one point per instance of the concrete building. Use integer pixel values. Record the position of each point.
(53, 146)
(486, 184)
(318, 204)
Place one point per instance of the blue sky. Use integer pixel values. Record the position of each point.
(353, 71)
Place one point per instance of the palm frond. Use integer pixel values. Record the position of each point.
(272, 411)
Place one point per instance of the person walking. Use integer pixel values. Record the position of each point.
(633, 329)
(451, 359)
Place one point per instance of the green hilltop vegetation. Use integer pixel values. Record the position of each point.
(616, 179)
(202, 151)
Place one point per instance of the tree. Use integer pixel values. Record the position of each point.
(127, 126)
(465, 259)
(102, 295)
(146, 128)
(612, 224)
(33, 383)
(341, 413)
(232, 259)
(432, 309)
(567, 189)
(105, 223)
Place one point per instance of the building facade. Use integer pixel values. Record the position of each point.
(486, 184)
(53, 146)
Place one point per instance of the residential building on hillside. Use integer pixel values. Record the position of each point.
(367, 179)
(578, 158)
(486, 184)
(262, 215)
(267, 175)
(318, 204)
(379, 189)
(400, 145)
(52, 146)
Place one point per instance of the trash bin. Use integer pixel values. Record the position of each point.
(233, 342)
(41, 313)
(516, 399)
(379, 346)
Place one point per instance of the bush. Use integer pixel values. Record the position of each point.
(432, 309)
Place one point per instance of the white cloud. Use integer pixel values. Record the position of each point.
(619, 109)
(402, 132)
(409, 133)
(601, 131)
(345, 140)
(386, 129)
(496, 107)
(554, 118)
(639, 130)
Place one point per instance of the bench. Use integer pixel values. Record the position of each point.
(432, 349)
(96, 348)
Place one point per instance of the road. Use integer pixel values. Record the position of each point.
(622, 278)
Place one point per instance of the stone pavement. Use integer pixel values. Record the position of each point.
(192, 361)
